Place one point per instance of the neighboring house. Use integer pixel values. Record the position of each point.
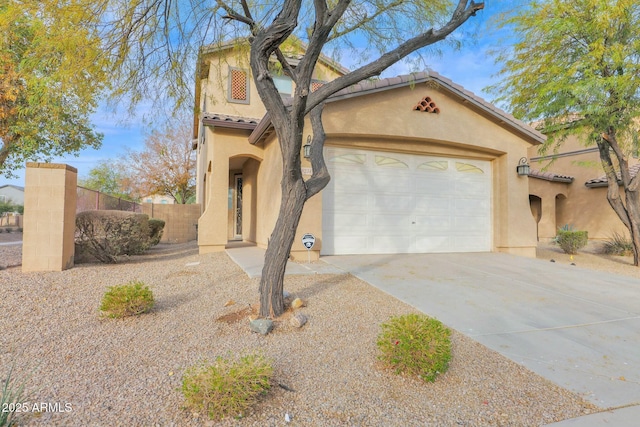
(418, 164)
(12, 193)
(158, 200)
(569, 188)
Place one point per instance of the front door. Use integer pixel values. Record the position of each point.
(237, 217)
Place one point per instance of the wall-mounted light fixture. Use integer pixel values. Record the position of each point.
(523, 168)
(307, 148)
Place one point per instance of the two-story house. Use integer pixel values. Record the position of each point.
(418, 164)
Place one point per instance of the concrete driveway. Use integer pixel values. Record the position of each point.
(578, 328)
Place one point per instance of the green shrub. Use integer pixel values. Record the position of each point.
(572, 241)
(8, 229)
(156, 227)
(415, 344)
(12, 394)
(105, 235)
(226, 388)
(127, 300)
(617, 244)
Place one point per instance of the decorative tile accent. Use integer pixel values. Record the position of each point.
(427, 105)
(315, 85)
(238, 85)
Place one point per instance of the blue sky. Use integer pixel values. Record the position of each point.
(471, 66)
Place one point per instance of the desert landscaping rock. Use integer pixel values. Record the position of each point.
(261, 326)
(129, 372)
(297, 303)
(298, 320)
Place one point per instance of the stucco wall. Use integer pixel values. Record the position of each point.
(578, 206)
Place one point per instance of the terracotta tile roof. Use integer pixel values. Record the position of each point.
(234, 122)
(373, 86)
(549, 176)
(602, 181)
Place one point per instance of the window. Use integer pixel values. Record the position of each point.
(238, 86)
(467, 168)
(283, 84)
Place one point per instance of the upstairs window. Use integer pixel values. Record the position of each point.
(284, 84)
(238, 86)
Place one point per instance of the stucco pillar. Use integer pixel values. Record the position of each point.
(212, 225)
(49, 217)
(515, 228)
(547, 224)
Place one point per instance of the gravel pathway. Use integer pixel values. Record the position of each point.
(92, 371)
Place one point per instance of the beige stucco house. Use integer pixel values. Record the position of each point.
(418, 164)
(569, 188)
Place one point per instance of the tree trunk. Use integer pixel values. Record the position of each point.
(633, 212)
(279, 247)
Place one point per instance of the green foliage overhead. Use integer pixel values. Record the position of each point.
(154, 44)
(51, 72)
(109, 177)
(576, 67)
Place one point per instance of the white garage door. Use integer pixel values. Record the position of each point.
(378, 202)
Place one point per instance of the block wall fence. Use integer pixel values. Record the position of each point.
(180, 221)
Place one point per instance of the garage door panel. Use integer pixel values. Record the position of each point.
(391, 202)
(436, 187)
(434, 205)
(433, 224)
(401, 203)
(354, 201)
(391, 244)
(390, 182)
(469, 224)
(434, 244)
(345, 221)
(475, 188)
(396, 222)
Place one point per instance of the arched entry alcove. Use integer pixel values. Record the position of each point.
(535, 203)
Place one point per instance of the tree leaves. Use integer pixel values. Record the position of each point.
(51, 72)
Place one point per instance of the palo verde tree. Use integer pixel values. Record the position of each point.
(51, 73)
(576, 68)
(391, 29)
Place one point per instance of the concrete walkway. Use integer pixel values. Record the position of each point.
(578, 328)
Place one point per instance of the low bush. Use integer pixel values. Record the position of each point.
(617, 244)
(571, 241)
(415, 344)
(227, 388)
(105, 235)
(156, 227)
(131, 299)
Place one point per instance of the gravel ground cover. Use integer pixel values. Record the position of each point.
(93, 371)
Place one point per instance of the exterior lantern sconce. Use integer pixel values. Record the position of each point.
(307, 148)
(523, 167)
